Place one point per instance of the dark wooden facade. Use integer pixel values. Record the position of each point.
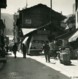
(38, 16)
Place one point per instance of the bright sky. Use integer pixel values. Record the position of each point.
(66, 6)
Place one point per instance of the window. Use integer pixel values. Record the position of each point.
(28, 21)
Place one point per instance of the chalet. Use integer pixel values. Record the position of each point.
(42, 22)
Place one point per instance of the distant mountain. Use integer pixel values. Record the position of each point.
(8, 20)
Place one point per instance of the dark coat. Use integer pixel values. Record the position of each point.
(46, 48)
(14, 48)
(23, 48)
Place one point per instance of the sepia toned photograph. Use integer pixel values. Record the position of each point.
(38, 39)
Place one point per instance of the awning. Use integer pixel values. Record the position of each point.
(26, 31)
(69, 18)
(25, 40)
(30, 30)
(73, 37)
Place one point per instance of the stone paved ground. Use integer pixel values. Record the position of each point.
(21, 68)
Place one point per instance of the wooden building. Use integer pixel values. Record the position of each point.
(44, 21)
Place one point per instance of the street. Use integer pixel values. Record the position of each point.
(21, 68)
(39, 39)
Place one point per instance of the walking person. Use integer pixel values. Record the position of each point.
(46, 49)
(14, 49)
(53, 49)
(24, 50)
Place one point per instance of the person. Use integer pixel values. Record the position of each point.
(53, 49)
(6, 48)
(14, 49)
(51, 45)
(46, 49)
(24, 50)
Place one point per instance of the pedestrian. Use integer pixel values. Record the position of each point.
(46, 49)
(24, 50)
(53, 49)
(51, 45)
(14, 49)
(6, 48)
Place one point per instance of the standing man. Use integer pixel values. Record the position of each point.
(46, 49)
(51, 45)
(24, 50)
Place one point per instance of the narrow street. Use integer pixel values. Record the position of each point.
(21, 68)
(45, 30)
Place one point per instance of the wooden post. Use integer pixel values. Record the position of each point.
(51, 4)
(0, 13)
(50, 9)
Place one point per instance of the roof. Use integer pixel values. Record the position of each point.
(39, 12)
(42, 6)
(74, 37)
(66, 35)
